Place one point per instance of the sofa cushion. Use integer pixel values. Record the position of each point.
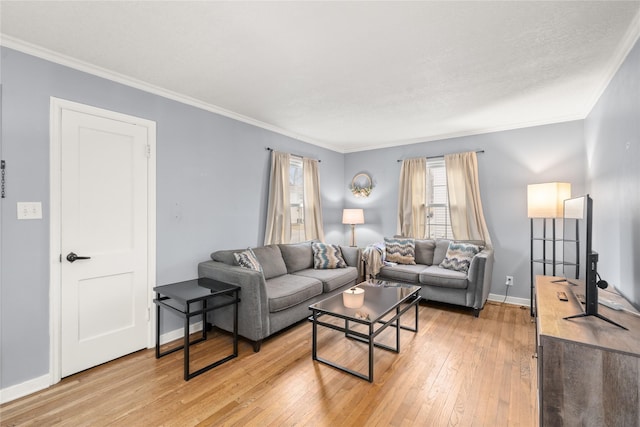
(437, 276)
(441, 251)
(271, 260)
(402, 272)
(226, 256)
(289, 290)
(247, 259)
(424, 251)
(297, 256)
(400, 250)
(459, 256)
(327, 256)
(331, 278)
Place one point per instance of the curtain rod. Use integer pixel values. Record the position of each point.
(297, 155)
(441, 156)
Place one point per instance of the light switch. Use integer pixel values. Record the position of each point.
(29, 210)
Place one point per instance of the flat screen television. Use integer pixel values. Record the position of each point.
(580, 261)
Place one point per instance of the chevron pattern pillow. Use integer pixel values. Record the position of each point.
(327, 256)
(247, 259)
(459, 256)
(400, 250)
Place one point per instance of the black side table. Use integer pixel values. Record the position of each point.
(178, 298)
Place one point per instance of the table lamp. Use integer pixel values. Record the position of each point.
(353, 217)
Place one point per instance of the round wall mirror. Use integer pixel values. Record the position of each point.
(361, 185)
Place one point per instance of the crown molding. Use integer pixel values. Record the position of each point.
(628, 41)
(76, 64)
(470, 132)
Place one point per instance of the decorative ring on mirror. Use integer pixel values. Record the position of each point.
(361, 185)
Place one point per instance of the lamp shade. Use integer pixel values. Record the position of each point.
(353, 216)
(546, 200)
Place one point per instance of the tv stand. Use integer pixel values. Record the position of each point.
(588, 370)
(598, 315)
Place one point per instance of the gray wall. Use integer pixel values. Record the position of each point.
(212, 177)
(612, 133)
(511, 160)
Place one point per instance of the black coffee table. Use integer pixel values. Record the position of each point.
(381, 299)
(181, 299)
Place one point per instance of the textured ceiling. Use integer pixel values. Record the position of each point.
(348, 76)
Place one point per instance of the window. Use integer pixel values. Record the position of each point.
(294, 210)
(438, 220)
(296, 199)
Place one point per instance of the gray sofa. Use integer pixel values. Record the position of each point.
(280, 295)
(469, 289)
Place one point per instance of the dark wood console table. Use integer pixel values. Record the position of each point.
(588, 369)
(180, 297)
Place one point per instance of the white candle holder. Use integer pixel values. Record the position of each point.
(353, 297)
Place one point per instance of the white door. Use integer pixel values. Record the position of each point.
(103, 217)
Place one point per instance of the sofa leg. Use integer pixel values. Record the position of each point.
(256, 346)
(476, 312)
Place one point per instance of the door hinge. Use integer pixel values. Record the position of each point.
(148, 151)
(3, 165)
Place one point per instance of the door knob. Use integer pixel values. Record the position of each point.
(72, 257)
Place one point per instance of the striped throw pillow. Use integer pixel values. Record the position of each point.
(247, 259)
(459, 256)
(400, 250)
(327, 256)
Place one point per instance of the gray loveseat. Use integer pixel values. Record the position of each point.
(469, 289)
(280, 295)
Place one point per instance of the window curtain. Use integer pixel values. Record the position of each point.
(412, 198)
(278, 229)
(465, 206)
(312, 206)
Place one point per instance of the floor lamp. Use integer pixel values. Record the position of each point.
(353, 217)
(545, 201)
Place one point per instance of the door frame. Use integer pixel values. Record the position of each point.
(57, 105)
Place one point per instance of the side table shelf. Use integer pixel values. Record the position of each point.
(179, 297)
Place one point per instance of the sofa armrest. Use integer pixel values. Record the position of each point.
(252, 309)
(480, 275)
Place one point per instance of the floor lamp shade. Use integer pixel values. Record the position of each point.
(546, 200)
(353, 217)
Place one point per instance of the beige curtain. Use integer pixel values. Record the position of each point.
(465, 206)
(312, 206)
(412, 198)
(278, 228)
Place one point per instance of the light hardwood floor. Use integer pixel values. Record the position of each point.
(458, 370)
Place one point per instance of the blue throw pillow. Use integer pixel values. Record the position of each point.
(247, 259)
(400, 250)
(327, 256)
(459, 256)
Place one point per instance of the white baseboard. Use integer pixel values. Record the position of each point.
(510, 300)
(19, 390)
(31, 386)
(179, 333)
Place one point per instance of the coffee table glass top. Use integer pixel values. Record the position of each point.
(379, 298)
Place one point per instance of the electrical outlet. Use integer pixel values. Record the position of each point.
(509, 281)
